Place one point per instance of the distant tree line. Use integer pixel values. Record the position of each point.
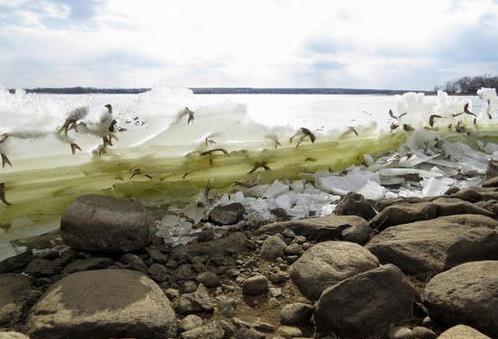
(469, 85)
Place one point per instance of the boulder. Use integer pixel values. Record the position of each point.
(355, 204)
(14, 289)
(318, 229)
(227, 214)
(466, 294)
(365, 305)
(462, 332)
(108, 303)
(328, 263)
(105, 224)
(272, 248)
(437, 244)
(405, 213)
(476, 194)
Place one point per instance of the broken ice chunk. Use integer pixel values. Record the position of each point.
(275, 189)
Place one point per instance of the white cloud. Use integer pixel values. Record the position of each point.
(358, 43)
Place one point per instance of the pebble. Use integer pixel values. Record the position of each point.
(275, 292)
(256, 285)
(289, 332)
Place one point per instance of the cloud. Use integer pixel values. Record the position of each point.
(267, 43)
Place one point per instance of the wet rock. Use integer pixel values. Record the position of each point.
(212, 330)
(134, 262)
(296, 314)
(365, 305)
(40, 267)
(14, 288)
(272, 248)
(157, 255)
(289, 332)
(158, 272)
(92, 263)
(189, 322)
(466, 294)
(15, 262)
(208, 279)
(437, 244)
(105, 224)
(12, 335)
(328, 263)
(423, 333)
(355, 204)
(227, 214)
(198, 301)
(110, 303)
(462, 332)
(405, 213)
(256, 285)
(319, 229)
(400, 332)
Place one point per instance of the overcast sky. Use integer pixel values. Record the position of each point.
(406, 44)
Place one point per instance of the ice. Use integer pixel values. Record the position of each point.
(436, 186)
(275, 189)
(174, 229)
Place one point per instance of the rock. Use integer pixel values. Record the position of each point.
(188, 286)
(110, 303)
(189, 322)
(105, 224)
(264, 327)
(92, 263)
(39, 267)
(296, 314)
(359, 234)
(208, 279)
(423, 333)
(462, 332)
(158, 272)
(234, 243)
(366, 304)
(493, 182)
(14, 289)
(212, 330)
(278, 276)
(400, 332)
(476, 194)
(355, 204)
(15, 262)
(328, 263)
(227, 306)
(405, 213)
(272, 248)
(294, 249)
(466, 294)
(172, 293)
(289, 332)
(227, 214)
(198, 301)
(319, 229)
(12, 335)
(437, 244)
(157, 255)
(256, 285)
(275, 292)
(133, 262)
(184, 272)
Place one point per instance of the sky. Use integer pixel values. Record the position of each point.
(391, 44)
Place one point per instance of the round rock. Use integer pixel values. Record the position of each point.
(272, 248)
(462, 332)
(466, 294)
(227, 214)
(108, 303)
(105, 224)
(328, 263)
(296, 314)
(256, 285)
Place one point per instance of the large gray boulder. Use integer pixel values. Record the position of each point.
(108, 303)
(365, 305)
(462, 332)
(328, 263)
(13, 292)
(405, 213)
(105, 224)
(437, 244)
(319, 229)
(466, 294)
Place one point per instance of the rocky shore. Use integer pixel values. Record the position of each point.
(392, 268)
